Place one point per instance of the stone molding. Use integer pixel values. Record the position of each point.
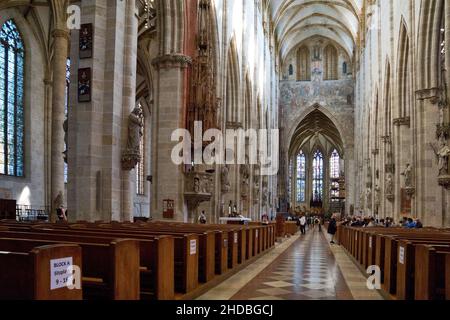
(403, 121)
(169, 61)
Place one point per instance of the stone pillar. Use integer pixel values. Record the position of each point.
(168, 178)
(129, 101)
(96, 185)
(60, 52)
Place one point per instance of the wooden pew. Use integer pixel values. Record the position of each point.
(185, 261)
(110, 271)
(25, 275)
(155, 254)
(432, 272)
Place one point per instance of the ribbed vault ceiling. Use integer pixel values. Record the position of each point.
(314, 125)
(298, 20)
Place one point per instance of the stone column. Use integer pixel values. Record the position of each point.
(168, 178)
(129, 101)
(61, 43)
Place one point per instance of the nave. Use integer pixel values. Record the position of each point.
(300, 268)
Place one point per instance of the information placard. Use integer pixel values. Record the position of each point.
(193, 247)
(235, 237)
(59, 272)
(401, 255)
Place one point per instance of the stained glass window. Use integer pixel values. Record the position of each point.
(11, 101)
(334, 165)
(318, 176)
(140, 169)
(291, 167)
(66, 168)
(301, 177)
(334, 174)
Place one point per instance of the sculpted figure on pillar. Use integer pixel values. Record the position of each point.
(443, 154)
(408, 176)
(131, 156)
(226, 185)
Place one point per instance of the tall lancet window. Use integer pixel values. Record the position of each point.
(318, 176)
(291, 168)
(140, 168)
(301, 177)
(12, 54)
(335, 174)
(66, 108)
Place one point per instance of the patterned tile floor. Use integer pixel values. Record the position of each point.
(307, 270)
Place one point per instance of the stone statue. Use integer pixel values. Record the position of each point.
(377, 196)
(408, 176)
(226, 185)
(245, 174)
(135, 129)
(196, 184)
(265, 193)
(131, 156)
(443, 154)
(389, 184)
(369, 198)
(362, 200)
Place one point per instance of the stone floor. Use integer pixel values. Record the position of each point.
(301, 268)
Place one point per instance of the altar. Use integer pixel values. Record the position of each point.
(237, 220)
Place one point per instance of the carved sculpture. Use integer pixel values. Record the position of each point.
(245, 175)
(226, 185)
(362, 200)
(408, 176)
(369, 198)
(377, 196)
(131, 157)
(389, 186)
(443, 154)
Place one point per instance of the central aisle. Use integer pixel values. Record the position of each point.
(307, 270)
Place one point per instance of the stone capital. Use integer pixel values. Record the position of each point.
(432, 94)
(168, 61)
(61, 33)
(403, 121)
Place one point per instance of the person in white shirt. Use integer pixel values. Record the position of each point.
(303, 224)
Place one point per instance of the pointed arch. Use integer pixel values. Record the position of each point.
(303, 64)
(403, 72)
(431, 18)
(330, 68)
(12, 121)
(232, 84)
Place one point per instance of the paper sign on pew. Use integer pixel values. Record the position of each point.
(193, 247)
(59, 272)
(235, 237)
(401, 255)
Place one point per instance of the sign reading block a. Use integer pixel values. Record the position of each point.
(59, 272)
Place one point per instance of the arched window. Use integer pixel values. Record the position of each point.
(335, 174)
(140, 168)
(334, 165)
(318, 176)
(331, 63)
(301, 177)
(442, 49)
(344, 68)
(291, 69)
(291, 168)
(303, 64)
(66, 108)
(12, 54)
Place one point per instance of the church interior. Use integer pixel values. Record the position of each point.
(224, 150)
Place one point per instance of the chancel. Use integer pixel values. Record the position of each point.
(172, 150)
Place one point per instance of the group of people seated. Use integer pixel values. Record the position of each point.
(370, 222)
